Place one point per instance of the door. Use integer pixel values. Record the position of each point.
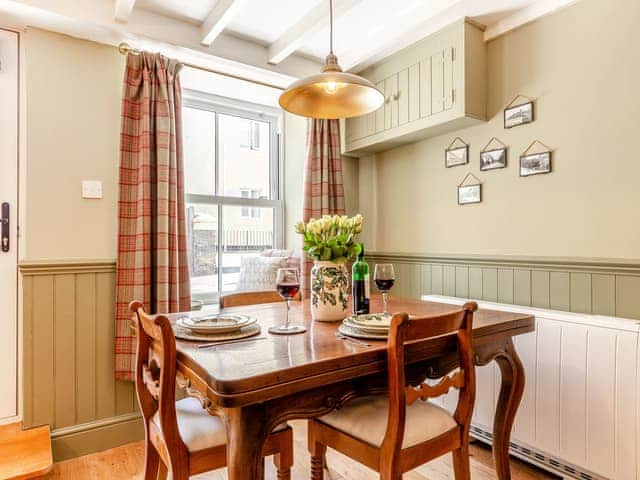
(8, 224)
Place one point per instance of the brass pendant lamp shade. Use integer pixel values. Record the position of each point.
(332, 93)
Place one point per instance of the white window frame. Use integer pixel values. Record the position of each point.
(256, 112)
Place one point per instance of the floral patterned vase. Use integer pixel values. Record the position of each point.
(329, 291)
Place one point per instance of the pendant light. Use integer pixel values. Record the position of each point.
(332, 93)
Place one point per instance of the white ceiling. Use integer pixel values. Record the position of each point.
(283, 39)
(364, 29)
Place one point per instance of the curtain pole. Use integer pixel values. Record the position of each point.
(125, 49)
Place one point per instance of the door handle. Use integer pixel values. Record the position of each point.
(5, 226)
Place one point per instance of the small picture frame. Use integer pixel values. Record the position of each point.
(468, 194)
(493, 158)
(456, 154)
(535, 164)
(520, 114)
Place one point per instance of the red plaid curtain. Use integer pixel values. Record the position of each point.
(323, 191)
(152, 248)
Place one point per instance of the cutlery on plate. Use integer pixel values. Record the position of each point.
(227, 342)
(356, 341)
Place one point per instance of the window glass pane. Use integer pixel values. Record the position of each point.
(244, 147)
(199, 131)
(243, 235)
(202, 242)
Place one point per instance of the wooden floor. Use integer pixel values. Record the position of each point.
(124, 463)
(24, 453)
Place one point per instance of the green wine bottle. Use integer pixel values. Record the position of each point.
(361, 288)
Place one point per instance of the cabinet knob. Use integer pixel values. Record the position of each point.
(387, 99)
(396, 95)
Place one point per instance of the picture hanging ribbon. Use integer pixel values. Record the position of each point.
(528, 149)
(459, 140)
(510, 104)
(493, 140)
(462, 183)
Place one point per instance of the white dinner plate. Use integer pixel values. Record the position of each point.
(359, 333)
(217, 323)
(371, 329)
(376, 320)
(244, 332)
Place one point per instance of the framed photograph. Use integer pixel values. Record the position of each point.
(492, 159)
(535, 164)
(468, 194)
(454, 156)
(518, 115)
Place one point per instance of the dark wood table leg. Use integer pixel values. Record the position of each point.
(246, 434)
(511, 390)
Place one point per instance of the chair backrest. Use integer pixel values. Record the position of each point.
(456, 325)
(156, 375)
(251, 298)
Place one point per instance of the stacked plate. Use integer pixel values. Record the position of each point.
(374, 326)
(213, 327)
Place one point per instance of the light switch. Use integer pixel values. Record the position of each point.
(91, 189)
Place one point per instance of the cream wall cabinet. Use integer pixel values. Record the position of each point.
(433, 86)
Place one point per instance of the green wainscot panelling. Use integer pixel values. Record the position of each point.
(598, 286)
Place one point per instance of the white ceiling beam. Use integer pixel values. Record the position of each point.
(393, 34)
(219, 17)
(524, 16)
(156, 33)
(124, 9)
(314, 21)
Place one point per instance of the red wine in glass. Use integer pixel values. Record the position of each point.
(288, 286)
(384, 276)
(384, 285)
(288, 291)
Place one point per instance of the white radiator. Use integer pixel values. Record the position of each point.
(579, 416)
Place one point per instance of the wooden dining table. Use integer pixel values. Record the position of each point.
(256, 385)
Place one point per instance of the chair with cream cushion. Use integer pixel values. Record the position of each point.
(182, 437)
(395, 433)
(238, 299)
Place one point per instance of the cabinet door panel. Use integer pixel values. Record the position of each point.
(425, 87)
(449, 58)
(437, 82)
(350, 129)
(391, 106)
(370, 121)
(354, 128)
(414, 92)
(381, 111)
(403, 97)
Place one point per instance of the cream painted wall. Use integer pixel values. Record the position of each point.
(582, 65)
(73, 97)
(74, 89)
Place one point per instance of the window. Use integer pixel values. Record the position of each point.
(247, 211)
(250, 135)
(231, 185)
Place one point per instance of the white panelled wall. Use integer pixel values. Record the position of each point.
(581, 400)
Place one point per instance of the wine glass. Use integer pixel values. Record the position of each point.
(384, 276)
(288, 286)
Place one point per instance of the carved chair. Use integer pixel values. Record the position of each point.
(183, 437)
(395, 433)
(251, 298)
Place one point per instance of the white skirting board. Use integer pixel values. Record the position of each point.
(579, 415)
